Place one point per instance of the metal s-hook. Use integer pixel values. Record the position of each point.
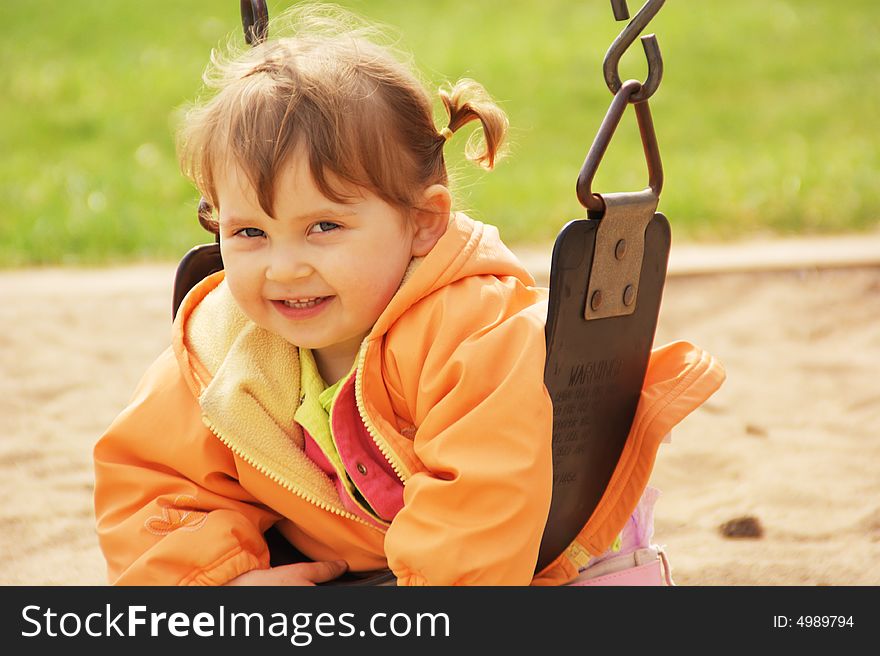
(625, 39)
(255, 21)
(621, 11)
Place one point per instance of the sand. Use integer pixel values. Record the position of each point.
(791, 440)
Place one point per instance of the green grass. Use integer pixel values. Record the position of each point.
(766, 116)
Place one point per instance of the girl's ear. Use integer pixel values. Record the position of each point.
(430, 219)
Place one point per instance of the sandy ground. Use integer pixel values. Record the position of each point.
(792, 439)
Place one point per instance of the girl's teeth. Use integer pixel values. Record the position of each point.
(304, 303)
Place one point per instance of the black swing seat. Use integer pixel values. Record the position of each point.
(594, 373)
(199, 263)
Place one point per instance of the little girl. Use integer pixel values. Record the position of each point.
(366, 375)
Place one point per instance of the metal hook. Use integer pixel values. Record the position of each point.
(622, 98)
(625, 39)
(255, 21)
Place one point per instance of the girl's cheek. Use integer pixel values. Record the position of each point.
(240, 290)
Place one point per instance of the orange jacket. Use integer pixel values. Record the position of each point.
(449, 383)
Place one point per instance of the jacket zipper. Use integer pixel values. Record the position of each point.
(284, 483)
(396, 465)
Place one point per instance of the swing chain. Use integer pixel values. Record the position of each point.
(625, 39)
(626, 93)
(255, 21)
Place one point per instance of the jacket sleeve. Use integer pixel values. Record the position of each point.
(168, 504)
(484, 422)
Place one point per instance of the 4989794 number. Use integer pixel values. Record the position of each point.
(824, 621)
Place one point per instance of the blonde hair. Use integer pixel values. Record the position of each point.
(359, 112)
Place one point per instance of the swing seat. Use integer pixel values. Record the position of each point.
(594, 373)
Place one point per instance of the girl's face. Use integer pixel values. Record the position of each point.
(320, 274)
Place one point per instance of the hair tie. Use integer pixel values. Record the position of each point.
(446, 133)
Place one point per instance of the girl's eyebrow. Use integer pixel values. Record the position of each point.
(324, 212)
(303, 218)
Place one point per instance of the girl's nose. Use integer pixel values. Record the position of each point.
(287, 264)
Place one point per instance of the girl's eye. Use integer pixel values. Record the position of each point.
(325, 226)
(251, 232)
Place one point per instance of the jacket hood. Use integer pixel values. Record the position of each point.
(467, 248)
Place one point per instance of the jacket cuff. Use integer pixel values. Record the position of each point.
(224, 569)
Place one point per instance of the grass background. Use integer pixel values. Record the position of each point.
(766, 117)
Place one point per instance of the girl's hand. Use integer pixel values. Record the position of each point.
(295, 574)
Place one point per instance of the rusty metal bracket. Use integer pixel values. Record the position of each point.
(617, 259)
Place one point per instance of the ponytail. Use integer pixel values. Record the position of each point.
(468, 101)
